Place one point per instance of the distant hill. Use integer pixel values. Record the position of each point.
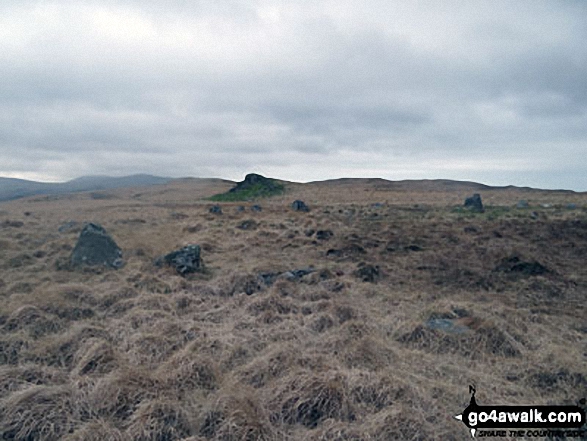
(11, 188)
(427, 185)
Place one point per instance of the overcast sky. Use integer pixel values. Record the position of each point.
(490, 91)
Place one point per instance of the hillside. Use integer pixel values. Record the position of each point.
(17, 188)
(365, 318)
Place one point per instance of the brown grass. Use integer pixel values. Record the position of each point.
(244, 351)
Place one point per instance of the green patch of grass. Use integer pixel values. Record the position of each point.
(255, 191)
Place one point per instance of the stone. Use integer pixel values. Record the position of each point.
(522, 204)
(248, 224)
(178, 216)
(299, 206)
(450, 326)
(68, 226)
(297, 274)
(185, 260)
(571, 206)
(324, 234)
(474, 203)
(96, 247)
(216, 209)
(514, 264)
(240, 209)
(11, 224)
(256, 208)
(368, 273)
(269, 277)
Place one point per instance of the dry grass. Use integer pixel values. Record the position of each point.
(355, 349)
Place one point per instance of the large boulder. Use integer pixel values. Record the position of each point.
(96, 247)
(299, 206)
(474, 203)
(185, 260)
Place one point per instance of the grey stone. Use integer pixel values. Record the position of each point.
(368, 273)
(446, 325)
(299, 206)
(474, 203)
(522, 204)
(185, 260)
(96, 247)
(248, 224)
(216, 209)
(68, 226)
(324, 234)
(256, 208)
(297, 274)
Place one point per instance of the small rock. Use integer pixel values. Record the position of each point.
(67, 226)
(268, 278)
(514, 264)
(240, 209)
(368, 273)
(297, 274)
(299, 206)
(474, 203)
(215, 209)
(522, 204)
(256, 208)
(334, 252)
(185, 260)
(324, 234)
(96, 247)
(178, 216)
(247, 225)
(571, 206)
(12, 224)
(446, 325)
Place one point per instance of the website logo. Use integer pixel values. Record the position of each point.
(545, 420)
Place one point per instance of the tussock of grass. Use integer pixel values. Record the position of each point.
(96, 430)
(43, 413)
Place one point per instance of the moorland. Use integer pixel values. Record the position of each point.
(365, 318)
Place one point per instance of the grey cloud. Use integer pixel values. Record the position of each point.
(222, 87)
